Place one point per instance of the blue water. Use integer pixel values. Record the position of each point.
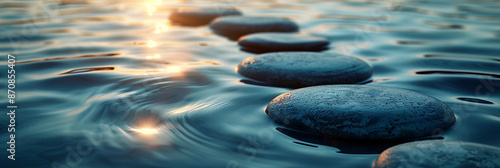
(115, 84)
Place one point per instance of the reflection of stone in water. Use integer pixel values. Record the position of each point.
(254, 82)
(344, 145)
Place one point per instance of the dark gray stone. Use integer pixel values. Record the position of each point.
(443, 154)
(273, 42)
(234, 27)
(361, 112)
(299, 69)
(200, 16)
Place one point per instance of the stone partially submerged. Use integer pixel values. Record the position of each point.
(200, 16)
(436, 153)
(274, 42)
(234, 27)
(299, 69)
(360, 112)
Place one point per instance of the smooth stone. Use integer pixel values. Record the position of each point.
(234, 27)
(299, 69)
(443, 154)
(361, 112)
(200, 16)
(273, 42)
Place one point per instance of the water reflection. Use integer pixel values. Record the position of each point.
(175, 87)
(70, 57)
(345, 146)
(152, 44)
(475, 100)
(145, 130)
(84, 70)
(174, 69)
(161, 27)
(152, 6)
(156, 56)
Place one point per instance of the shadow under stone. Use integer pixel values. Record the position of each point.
(346, 146)
(262, 51)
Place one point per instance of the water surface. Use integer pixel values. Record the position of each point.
(115, 84)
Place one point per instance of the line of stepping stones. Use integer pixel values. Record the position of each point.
(346, 111)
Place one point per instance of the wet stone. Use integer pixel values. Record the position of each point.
(234, 27)
(435, 153)
(361, 112)
(200, 16)
(273, 42)
(300, 69)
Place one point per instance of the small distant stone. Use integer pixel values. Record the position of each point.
(273, 42)
(299, 69)
(361, 112)
(443, 154)
(234, 27)
(200, 16)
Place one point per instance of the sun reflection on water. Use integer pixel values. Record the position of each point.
(173, 69)
(147, 125)
(145, 130)
(161, 27)
(156, 56)
(152, 6)
(150, 9)
(152, 44)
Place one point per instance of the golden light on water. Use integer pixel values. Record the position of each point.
(152, 6)
(150, 9)
(152, 44)
(161, 27)
(147, 125)
(156, 56)
(145, 130)
(173, 69)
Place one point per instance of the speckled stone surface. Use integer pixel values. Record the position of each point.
(360, 112)
(442, 154)
(272, 42)
(200, 16)
(299, 69)
(234, 27)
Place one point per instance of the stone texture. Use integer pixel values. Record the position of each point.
(361, 112)
(273, 42)
(299, 69)
(234, 27)
(436, 153)
(200, 16)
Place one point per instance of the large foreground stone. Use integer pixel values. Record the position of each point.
(299, 69)
(361, 112)
(442, 154)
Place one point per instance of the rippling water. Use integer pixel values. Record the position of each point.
(115, 84)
